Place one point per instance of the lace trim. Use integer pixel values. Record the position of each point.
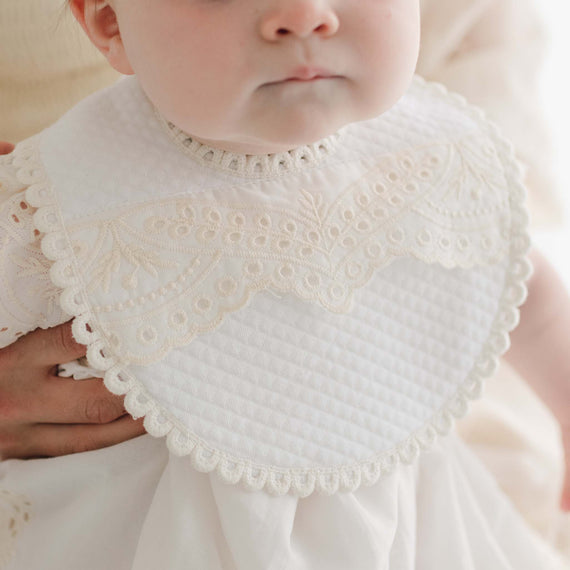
(28, 298)
(248, 165)
(278, 481)
(15, 512)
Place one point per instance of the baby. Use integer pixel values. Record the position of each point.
(298, 263)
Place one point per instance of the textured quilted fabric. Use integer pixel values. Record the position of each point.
(285, 382)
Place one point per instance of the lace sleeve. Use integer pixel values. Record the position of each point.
(28, 299)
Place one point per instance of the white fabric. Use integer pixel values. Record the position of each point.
(302, 387)
(131, 507)
(143, 509)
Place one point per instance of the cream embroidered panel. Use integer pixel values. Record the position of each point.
(202, 257)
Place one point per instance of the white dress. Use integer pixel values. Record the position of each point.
(303, 328)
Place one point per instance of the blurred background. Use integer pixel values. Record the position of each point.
(555, 94)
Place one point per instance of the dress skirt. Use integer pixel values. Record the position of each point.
(135, 507)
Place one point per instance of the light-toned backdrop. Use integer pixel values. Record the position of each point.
(556, 95)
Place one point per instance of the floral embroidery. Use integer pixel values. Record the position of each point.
(110, 263)
(15, 512)
(34, 272)
(204, 256)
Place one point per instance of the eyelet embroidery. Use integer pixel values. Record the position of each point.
(26, 264)
(321, 247)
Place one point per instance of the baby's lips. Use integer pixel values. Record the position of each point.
(308, 73)
(305, 73)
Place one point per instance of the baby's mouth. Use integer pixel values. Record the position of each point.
(306, 74)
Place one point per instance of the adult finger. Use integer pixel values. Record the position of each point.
(48, 347)
(69, 401)
(54, 440)
(6, 147)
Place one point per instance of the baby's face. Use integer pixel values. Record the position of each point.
(259, 76)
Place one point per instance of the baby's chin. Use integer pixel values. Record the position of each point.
(270, 133)
(304, 126)
(267, 142)
(291, 135)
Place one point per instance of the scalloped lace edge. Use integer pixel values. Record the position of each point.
(255, 166)
(300, 482)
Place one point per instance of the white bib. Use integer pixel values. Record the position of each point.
(296, 322)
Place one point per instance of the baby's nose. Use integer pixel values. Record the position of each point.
(300, 18)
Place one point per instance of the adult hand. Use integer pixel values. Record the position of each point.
(44, 415)
(6, 147)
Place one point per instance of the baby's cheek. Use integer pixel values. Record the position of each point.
(391, 56)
